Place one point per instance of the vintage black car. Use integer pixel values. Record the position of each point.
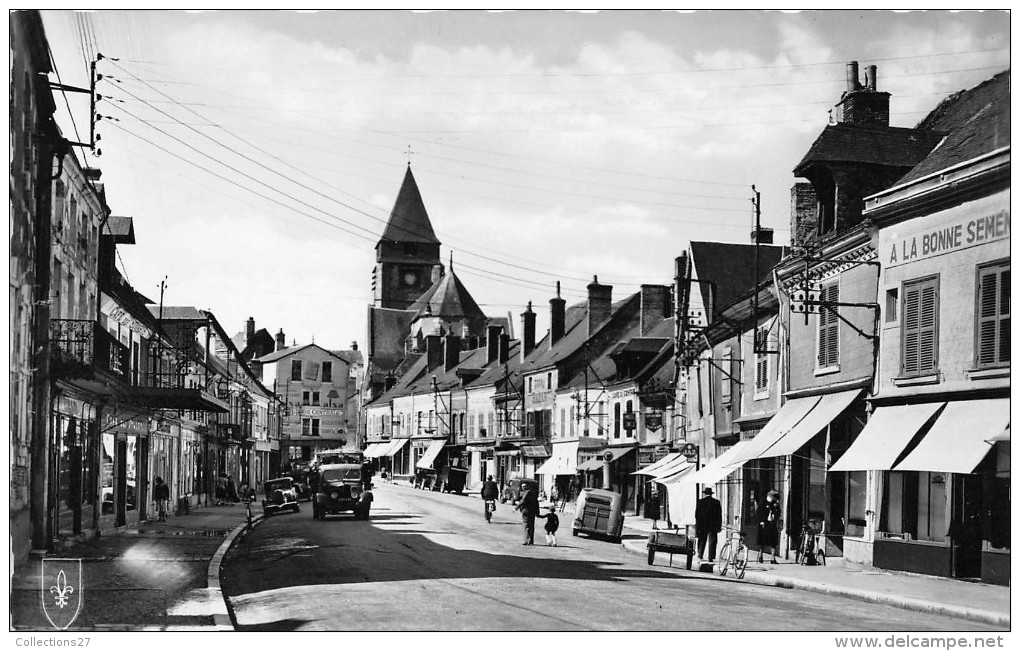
(515, 488)
(303, 478)
(280, 494)
(339, 489)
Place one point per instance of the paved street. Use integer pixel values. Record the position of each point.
(428, 561)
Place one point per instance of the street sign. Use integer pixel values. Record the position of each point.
(630, 421)
(653, 420)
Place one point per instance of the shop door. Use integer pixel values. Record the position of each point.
(143, 477)
(965, 526)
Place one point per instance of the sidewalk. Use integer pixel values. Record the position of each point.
(978, 602)
(160, 576)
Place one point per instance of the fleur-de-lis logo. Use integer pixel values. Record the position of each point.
(61, 591)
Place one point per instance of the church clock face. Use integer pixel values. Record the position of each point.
(410, 279)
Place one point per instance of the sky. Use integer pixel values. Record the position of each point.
(260, 153)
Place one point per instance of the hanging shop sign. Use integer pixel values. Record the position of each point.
(653, 420)
(690, 451)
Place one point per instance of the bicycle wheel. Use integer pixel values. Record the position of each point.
(724, 559)
(740, 561)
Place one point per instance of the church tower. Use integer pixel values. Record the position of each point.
(407, 256)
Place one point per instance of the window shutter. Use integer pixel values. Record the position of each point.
(761, 362)
(828, 328)
(920, 328)
(993, 317)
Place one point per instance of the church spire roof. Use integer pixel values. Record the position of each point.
(409, 222)
(449, 298)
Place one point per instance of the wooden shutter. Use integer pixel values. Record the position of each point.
(727, 375)
(920, 328)
(993, 317)
(828, 327)
(761, 361)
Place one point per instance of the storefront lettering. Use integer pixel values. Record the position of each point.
(945, 239)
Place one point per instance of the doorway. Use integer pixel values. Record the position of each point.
(965, 526)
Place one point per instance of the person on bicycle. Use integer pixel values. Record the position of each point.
(708, 523)
(490, 493)
(161, 493)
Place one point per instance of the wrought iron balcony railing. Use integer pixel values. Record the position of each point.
(80, 342)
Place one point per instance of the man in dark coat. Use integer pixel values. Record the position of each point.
(528, 507)
(708, 523)
(490, 493)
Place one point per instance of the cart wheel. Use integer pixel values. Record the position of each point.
(724, 559)
(575, 532)
(651, 555)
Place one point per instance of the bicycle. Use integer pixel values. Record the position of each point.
(490, 508)
(734, 553)
(810, 551)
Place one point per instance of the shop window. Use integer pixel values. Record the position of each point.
(915, 505)
(327, 371)
(828, 327)
(920, 327)
(295, 370)
(993, 316)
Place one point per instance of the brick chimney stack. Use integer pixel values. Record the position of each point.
(656, 305)
(600, 304)
(249, 329)
(434, 351)
(492, 333)
(862, 104)
(528, 325)
(451, 352)
(504, 348)
(281, 341)
(557, 317)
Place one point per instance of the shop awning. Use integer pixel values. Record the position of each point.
(619, 452)
(372, 449)
(563, 460)
(427, 459)
(682, 499)
(674, 473)
(883, 439)
(1001, 437)
(395, 446)
(668, 469)
(957, 441)
(829, 407)
(717, 469)
(591, 465)
(535, 451)
(650, 470)
(777, 427)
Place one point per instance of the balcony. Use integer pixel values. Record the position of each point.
(81, 348)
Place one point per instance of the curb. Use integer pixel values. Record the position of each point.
(221, 618)
(906, 603)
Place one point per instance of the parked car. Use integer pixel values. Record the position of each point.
(280, 494)
(302, 478)
(515, 488)
(339, 489)
(599, 512)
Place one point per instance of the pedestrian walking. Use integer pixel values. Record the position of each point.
(707, 523)
(552, 523)
(652, 506)
(768, 526)
(528, 506)
(161, 493)
(490, 493)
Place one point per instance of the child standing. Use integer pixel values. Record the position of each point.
(552, 523)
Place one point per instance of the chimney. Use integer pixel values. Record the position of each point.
(504, 348)
(871, 78)
(249, 329)
(600, 304)
(281, 341)
(528, 325)
(803, 213)
(92, 173)
(763, 236)
(437, 273)
(656, 305)
(354, 345)
(434, 351)
(390, 381)
(852, 82)
(557, 317)
(492, 333)
(451, 352)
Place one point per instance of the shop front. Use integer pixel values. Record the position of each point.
(74, 464)
(122, 488)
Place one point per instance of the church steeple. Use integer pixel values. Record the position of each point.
(407, 252)
(409, 221)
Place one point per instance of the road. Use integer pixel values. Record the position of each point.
(428, 561)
